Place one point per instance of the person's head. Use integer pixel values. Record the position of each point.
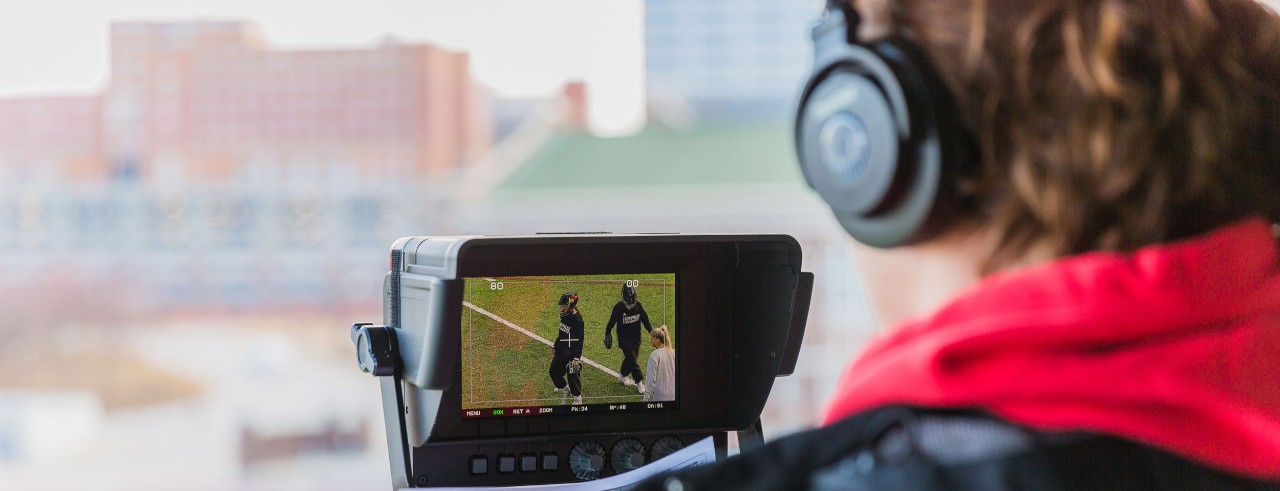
(659, 337)
(1100, 125)
(629, 295)
(1104, 124)
(568, 303)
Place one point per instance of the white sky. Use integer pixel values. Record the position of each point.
(518, 48)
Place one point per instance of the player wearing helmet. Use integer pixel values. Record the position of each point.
(567, 350)
(628, 314)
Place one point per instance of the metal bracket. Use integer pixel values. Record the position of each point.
(377, 353)
(751, 437)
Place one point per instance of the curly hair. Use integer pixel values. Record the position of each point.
(1107, 124)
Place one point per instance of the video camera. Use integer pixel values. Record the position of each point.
(484, 339)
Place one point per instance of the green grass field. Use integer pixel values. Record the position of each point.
(503, 367)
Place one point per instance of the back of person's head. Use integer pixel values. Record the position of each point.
(663, 336)
(1106, 124)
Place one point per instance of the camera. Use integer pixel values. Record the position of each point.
(562, 358)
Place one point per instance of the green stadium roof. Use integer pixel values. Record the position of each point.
(757, 153)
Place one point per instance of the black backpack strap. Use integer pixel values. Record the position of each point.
(789, 462)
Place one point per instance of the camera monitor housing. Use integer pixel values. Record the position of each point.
(496, 369)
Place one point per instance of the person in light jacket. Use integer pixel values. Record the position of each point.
(661, 368)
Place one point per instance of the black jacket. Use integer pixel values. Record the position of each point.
(900, 448)
(628, 322)
(569, 339)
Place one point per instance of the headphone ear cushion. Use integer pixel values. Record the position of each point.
(849, 141)
(869, 142)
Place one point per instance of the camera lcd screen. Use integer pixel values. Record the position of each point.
(539, 345)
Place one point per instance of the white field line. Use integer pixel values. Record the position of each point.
(541, 339)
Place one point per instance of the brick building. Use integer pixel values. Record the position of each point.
(211, 102)
(50, 138)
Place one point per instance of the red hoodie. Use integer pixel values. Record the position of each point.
(1177, 346)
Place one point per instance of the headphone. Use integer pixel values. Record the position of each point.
(877, 136)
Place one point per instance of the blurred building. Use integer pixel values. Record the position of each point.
(51, 138)
(725, 60)
(211, 102)
(215, 170)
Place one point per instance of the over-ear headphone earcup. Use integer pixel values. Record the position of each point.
(869, 141)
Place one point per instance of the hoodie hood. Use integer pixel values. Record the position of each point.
(1176, 346)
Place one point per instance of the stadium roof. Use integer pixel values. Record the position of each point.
(749, 153)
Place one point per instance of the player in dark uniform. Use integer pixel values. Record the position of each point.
(567, 350)
(628, 314)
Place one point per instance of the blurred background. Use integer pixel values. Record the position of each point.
(197, 198)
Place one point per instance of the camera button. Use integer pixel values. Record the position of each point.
(506, 464)
(528, 462)
(550, 462)
(479, 465)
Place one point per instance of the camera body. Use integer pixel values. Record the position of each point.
(495, 370)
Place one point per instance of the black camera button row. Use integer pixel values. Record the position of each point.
(507, 463)
(587, 460)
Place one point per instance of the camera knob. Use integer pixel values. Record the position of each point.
(627, 454)
(586, 460)
(376, 349)
(665, 446)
